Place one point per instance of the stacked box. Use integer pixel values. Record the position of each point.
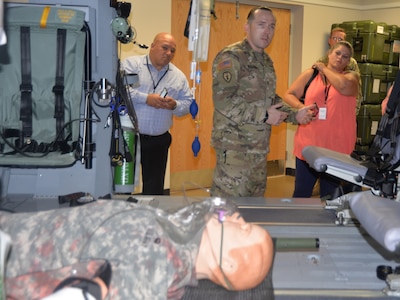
(394, 35)
(334, 25)
(368, 39)
(367, 123)
(361, 149)
(389, 81)
(375, 81)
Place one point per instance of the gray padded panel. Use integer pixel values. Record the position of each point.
(207, 290)
(379, 216)
(319, 158)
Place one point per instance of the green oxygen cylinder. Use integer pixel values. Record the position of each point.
(124, 174)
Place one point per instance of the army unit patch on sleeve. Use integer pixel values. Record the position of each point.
(227, 76)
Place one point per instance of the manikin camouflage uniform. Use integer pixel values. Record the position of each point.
(244, 87)
(146, 263)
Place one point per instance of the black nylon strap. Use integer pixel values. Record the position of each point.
(115, 154)
(388, 126)
(26, 85)
(58, 88)
(315, 73)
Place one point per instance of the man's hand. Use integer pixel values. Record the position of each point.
(156, 101)
(275, 116)
(306, 114)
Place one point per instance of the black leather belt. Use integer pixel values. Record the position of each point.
(145, 136)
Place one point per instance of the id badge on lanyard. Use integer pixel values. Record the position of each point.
(323, 111)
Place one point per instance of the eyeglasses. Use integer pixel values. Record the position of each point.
(337, 39)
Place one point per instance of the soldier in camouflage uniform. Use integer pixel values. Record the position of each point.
(149, 257)
(245, 107)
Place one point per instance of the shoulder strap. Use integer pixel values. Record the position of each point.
(58, 88)
(25, 114)
(315, 73)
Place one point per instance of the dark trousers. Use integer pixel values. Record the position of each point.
(154, 155)
(306, 177)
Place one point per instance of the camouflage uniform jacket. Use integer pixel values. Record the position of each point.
(145, 263)
(244, 87)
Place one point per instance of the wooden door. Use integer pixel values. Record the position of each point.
(226, 29)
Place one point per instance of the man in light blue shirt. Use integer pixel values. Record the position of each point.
(162, 90)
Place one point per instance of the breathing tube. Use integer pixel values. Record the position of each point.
(186, 222)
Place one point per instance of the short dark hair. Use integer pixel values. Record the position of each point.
(250, 16)
(338, 29)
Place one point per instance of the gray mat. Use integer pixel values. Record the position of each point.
(207, 290)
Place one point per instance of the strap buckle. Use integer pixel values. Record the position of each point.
(58, 89)
(25, 88)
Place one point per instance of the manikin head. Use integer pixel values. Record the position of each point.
(246, 251)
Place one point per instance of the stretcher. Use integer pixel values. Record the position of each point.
(377, 214)
(343, 265)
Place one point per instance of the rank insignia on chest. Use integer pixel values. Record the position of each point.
(227, 76)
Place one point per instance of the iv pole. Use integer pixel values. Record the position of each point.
(198, 43)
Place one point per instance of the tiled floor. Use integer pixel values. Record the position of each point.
(280, 186)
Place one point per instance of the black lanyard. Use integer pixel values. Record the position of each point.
(154, 84)
(327, 88)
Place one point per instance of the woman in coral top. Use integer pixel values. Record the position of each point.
(334, 126)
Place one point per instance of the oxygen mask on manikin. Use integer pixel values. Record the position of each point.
(186, 222)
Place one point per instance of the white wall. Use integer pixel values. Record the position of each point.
(147, 21)
(389, 16)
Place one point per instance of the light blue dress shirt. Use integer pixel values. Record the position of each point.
(154, 121)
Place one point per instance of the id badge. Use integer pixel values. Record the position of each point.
(322, 113)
